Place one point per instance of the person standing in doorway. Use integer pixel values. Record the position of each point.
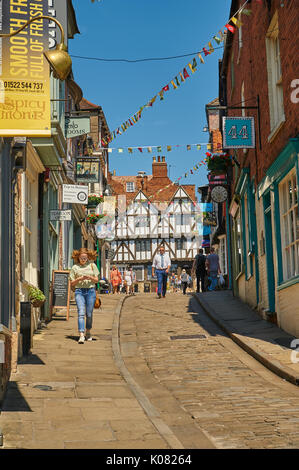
(161, 264)
(84, 275)
(213, 268)
(199, 267)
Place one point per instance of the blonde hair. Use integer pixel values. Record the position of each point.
(92, 255)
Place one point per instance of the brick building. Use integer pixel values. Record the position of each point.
(260, 69)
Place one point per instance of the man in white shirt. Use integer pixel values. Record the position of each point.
(161, 264)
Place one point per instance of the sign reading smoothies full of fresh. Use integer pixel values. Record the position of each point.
(24, 71)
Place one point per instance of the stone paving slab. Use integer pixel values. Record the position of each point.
(86, 404)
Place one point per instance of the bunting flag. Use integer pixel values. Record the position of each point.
(157, 148)
(231, 28)
(185, 175)
(184, 73)
(237, 22)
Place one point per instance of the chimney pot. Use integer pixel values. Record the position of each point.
(154, 159)
(159, 159)
(163, 159)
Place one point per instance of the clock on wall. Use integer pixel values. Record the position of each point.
(219, 194)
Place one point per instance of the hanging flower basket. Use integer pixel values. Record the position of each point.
(218, 163)
(94, 218)
(94, 200)
(37, 303)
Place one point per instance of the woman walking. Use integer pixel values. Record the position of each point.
(83, 276)
(128, 280)
(115, 278)
(184, 279)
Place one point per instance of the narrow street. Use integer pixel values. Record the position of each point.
(159, 374)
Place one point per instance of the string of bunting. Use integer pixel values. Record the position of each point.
(191, 171)
(183, 75)
(157, 148)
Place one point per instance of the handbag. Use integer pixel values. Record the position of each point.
(98, 301)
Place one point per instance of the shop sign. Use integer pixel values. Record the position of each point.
(61, 215)
(74, 194)
(87, 170)
(24, 71)
(75, 126)
(238, 133)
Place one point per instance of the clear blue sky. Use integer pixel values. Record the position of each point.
(135, 29)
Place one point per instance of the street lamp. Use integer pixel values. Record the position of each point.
(59, 59)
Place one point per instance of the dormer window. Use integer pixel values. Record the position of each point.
(130, 187)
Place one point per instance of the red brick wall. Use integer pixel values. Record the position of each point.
(251, 68)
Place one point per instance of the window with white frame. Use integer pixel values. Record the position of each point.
(274, 75)
(288, 195)
(130, 186)
(222, 254)
(238, 243)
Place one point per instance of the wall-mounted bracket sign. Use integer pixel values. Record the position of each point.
(238, 133)
(75, 126)
(74, 194)
(61, 215)
(87, 170)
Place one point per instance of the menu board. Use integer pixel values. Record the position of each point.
(60, 291)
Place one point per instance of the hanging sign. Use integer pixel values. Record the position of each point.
(75, 126)
(61, 215)
(74, 194)
(24, 70)
(87, 170)
(238, 133)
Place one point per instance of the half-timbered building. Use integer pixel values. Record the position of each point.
(152, 210)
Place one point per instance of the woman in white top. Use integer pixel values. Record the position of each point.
(84, 276)
(128, 279)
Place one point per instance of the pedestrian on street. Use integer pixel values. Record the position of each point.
(184, 279)
(116, 279)
(128, 280)
(83, 276)
(133, 274)
(213, 268)
(161, 264)
(199, 267)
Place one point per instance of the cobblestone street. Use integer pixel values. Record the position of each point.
(232, 398)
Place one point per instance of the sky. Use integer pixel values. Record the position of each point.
(139, 29)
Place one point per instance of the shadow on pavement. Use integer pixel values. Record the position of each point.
(14, 400)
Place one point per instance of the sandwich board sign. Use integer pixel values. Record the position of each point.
(74, 194)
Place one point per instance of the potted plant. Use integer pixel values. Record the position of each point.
(36, 297)
(94, 218)
(94, 200)
(218, 163)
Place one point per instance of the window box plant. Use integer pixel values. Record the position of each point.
(218, 163)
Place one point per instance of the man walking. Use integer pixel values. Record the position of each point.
(213, 268)
(199, 267)
(161, 264)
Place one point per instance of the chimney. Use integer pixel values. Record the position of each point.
(159, 168)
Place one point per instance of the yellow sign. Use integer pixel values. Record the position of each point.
(24, 71)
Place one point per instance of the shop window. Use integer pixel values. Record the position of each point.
(288, 192)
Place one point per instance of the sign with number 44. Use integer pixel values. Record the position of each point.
(238, 133)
